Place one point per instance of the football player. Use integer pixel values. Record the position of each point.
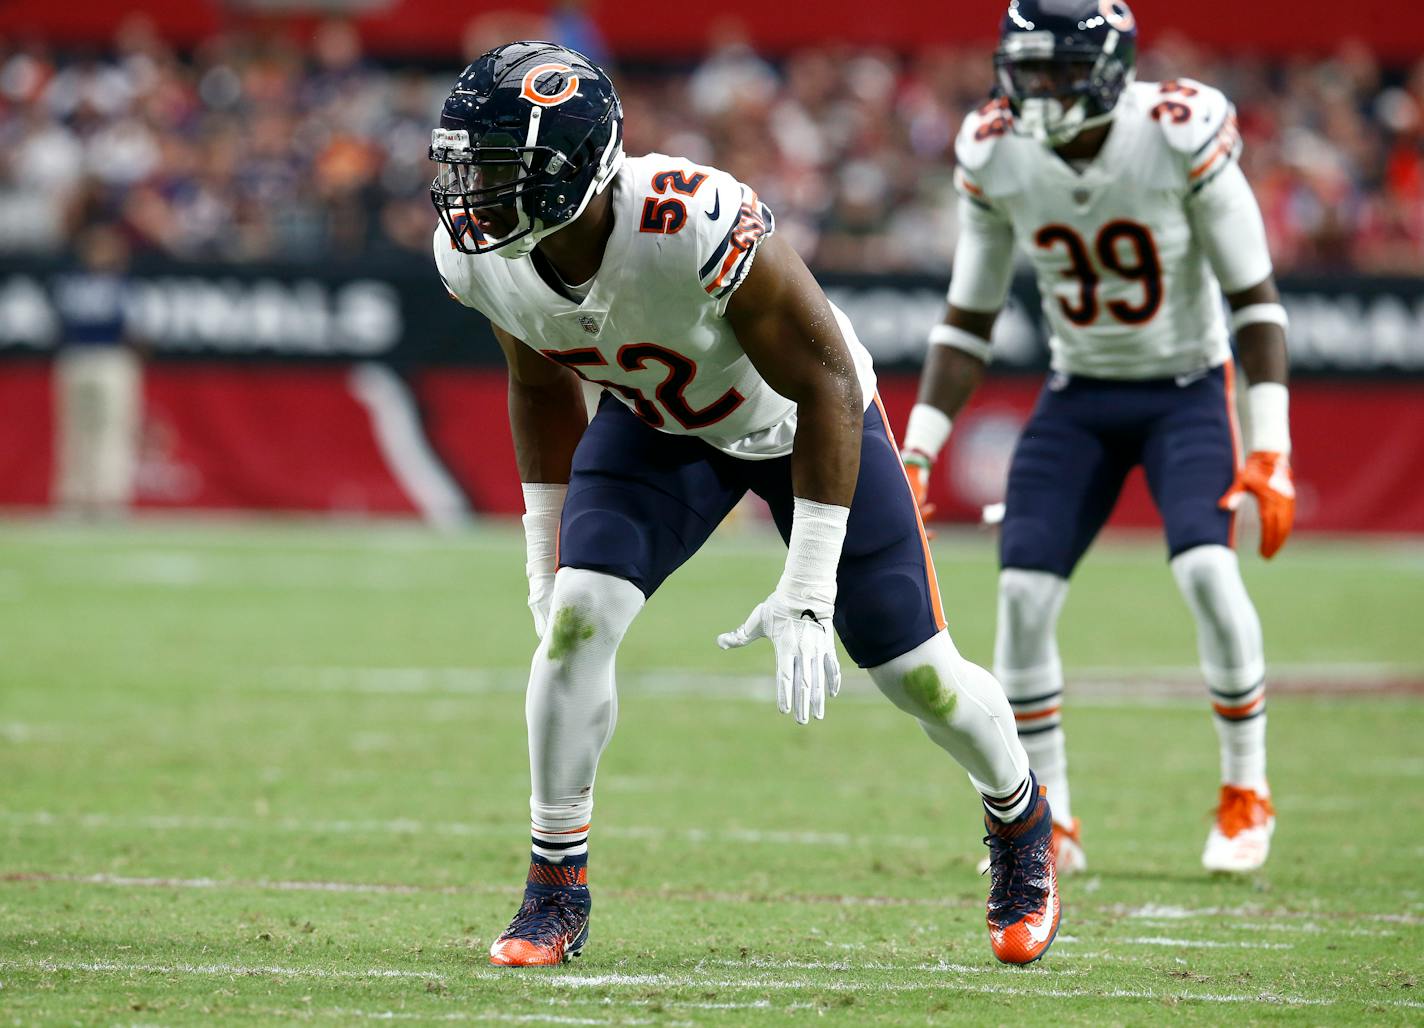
(1129, 201)
(724, 370)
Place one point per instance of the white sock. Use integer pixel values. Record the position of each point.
(961, 708)
(572, 704)
(1232, 659)
(1027, 665)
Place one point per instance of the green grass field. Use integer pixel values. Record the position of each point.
(270, 773)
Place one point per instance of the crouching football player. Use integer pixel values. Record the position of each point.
(1129, 201)
(725, 369)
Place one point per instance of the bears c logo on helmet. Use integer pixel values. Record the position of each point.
(531, 91)
(1118, 14)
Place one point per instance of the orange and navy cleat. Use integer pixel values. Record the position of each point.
(552, 923)
(1240, 840)
(1023, 908)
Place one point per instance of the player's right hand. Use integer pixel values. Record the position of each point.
(917, 470)
(806, 665)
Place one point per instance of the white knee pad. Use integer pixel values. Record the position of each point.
(1025, 643)
(572, 702)
(1228, 630)
(588, 610)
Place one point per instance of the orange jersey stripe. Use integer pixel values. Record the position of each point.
(935, 603)
(1226, 140)
(1038, 715)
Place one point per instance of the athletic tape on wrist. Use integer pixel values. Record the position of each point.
(813, 554)
(961, 339)
(543, 497)
(926, 431)
(1268, 406)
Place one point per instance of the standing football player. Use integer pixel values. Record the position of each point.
(1130, 203)
(725, 369)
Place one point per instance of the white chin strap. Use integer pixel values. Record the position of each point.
(608, 166)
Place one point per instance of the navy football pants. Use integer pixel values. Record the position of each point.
(1083, 438)
(641, 502)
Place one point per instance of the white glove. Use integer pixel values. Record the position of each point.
(806, 665)
(543, 505)
(797, 616)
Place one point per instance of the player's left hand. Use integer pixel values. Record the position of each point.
(1266, 476)
(806, 665)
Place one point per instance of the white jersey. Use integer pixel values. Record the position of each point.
(1128, 248)
(652, 329)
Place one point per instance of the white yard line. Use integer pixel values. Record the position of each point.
(1245, 918)
(1199, 943)
(1089, 684)
(773, 984)
(461, 829)
(760, 983)
(481, 1017)
(125, 967)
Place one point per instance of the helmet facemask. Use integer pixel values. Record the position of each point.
(496, 196)
(1057, 92)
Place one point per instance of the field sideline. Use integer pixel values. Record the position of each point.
(266, 772)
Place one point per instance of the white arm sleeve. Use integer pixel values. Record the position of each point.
(1227, 223)
(983, 258)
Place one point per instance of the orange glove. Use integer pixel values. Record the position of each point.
(917, 470)
(1266, 476)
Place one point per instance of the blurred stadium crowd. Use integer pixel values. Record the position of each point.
(253, 148)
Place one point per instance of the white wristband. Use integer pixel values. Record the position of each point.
(926, 431)
(543, 505)
(961, 339)
(1268, 407)
(1259, 313)
(813, 555)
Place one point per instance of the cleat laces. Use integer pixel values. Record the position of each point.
(547, 920)
(1015, 891)
(1240, 809)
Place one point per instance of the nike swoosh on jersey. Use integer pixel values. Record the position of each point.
(1040, 932)
(716, 207)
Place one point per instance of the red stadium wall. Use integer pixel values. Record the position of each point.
(284, 439)
(433, 28)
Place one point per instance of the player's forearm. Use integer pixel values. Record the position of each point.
(825, 459)
(954, 369)
(547, 423)
(949, 379)
(1259, 322)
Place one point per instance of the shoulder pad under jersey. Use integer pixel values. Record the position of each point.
(1197, 122)
(974, 147)
(706, 224)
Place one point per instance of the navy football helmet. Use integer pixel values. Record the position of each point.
(530, 134)
(1063, 64)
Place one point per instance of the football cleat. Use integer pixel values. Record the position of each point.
(552, 923)
(1023, 910)
(1068, 855)
(1240, 840)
